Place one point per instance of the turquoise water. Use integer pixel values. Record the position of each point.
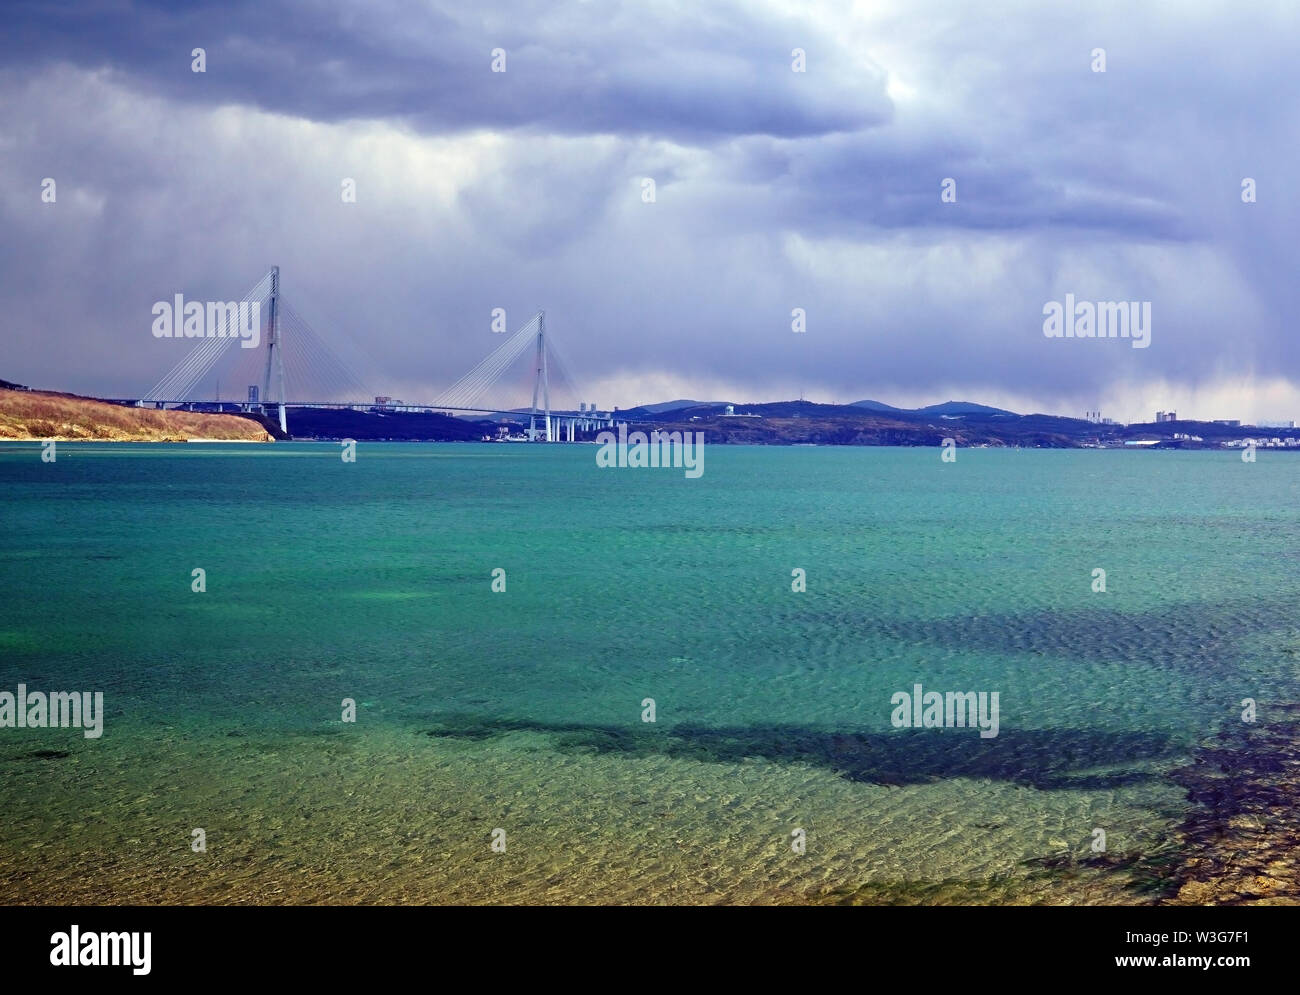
(522, 710)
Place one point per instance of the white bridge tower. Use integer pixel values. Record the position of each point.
(274, 349)
(541, 382)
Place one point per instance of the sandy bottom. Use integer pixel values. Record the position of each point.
(397, 815)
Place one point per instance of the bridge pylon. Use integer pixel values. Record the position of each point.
(274, 349)
(541, 382)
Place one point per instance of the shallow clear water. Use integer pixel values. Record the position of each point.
(522, 710)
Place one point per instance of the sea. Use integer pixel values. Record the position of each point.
(501, 673)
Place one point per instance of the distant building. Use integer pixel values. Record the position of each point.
(1276, 424)
(1230, 422)
(1166, 416)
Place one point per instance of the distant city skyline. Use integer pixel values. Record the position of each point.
(915, 185)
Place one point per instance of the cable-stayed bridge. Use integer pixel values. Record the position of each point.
(290, 366)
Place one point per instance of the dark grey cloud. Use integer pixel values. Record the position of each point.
(692, 72)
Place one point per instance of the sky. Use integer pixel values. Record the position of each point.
(798, 153)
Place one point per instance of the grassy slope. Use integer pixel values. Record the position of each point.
(33, 415)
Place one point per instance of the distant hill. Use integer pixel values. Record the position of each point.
(37, 415)
(873, 423)
(962, 408)
(946, 408)
(662, 406)
(875, 406)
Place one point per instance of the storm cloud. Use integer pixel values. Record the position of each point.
(774, 190)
